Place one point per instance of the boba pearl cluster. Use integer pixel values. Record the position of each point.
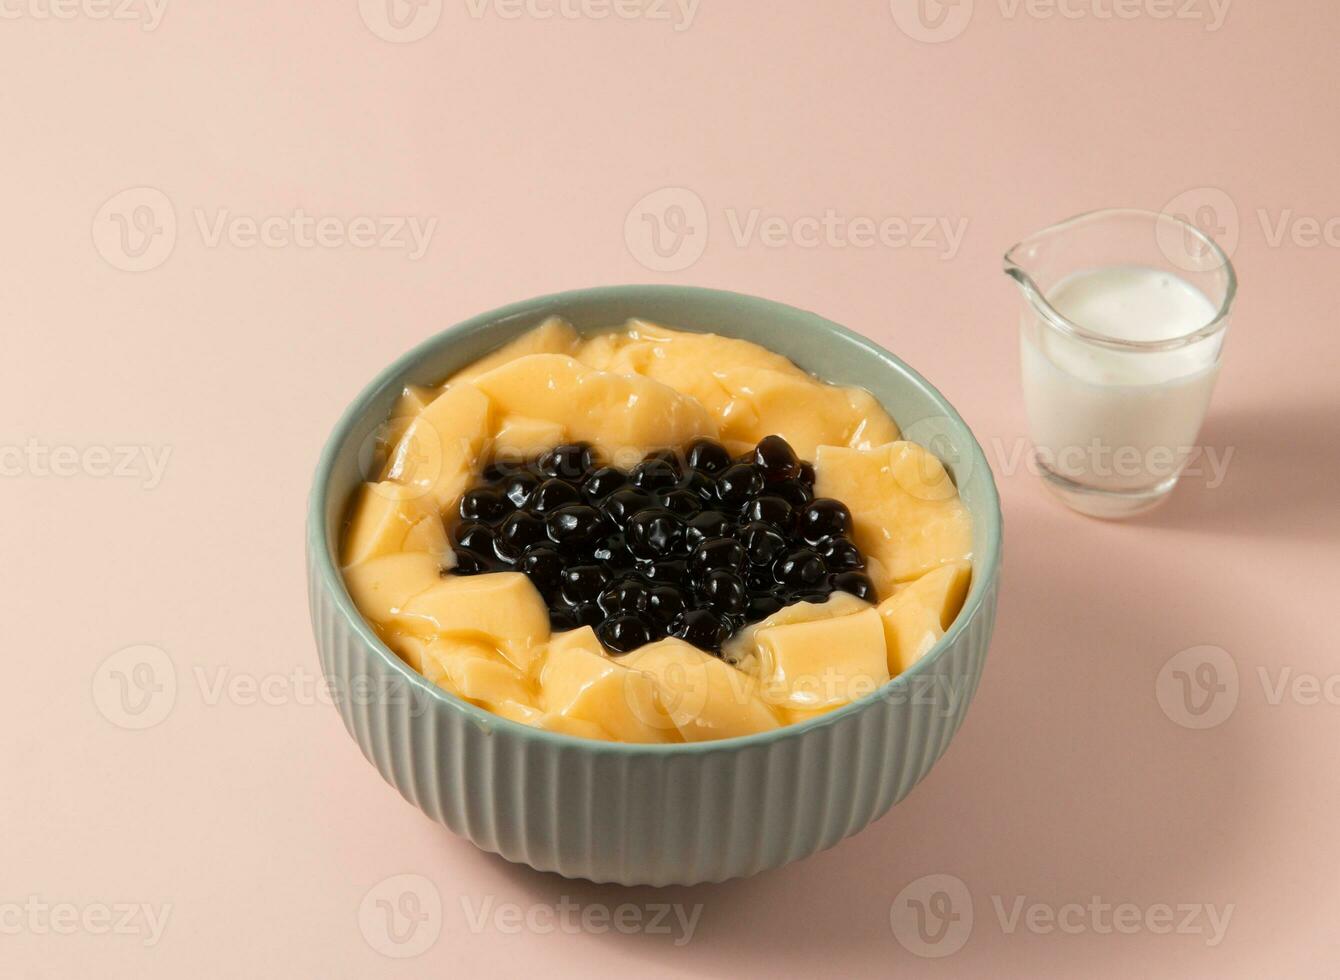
(693, 544)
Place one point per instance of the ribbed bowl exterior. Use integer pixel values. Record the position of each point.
(656, 817)
(653, 814)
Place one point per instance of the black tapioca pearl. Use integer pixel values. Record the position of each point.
(701, 486)
(823, 518)
(561, 619)
(707, 524)
(806, 474)
(737, 485)
(653, 475)
(519, 486)
(474, 537)
(624, 632)
(800, 569)
(623, 503)
(770, 510)
(573, 524)
(603, 482)
(724, 593)
(471, 563)
(674, 572)
(583, 583)
(486, 504)
(551, 495)
(707, 456)
(857, 583)
(701, 627)
(654, 533)
(521, 530)
(684, 503)
(762, 605)
(664, 603)
(819, 595)
(543, 565)
(776, 459)
(839, 554)
(763, 543)
(793, 492)
(624, 595)
(570, 462)
(716, 554)
(587, 614)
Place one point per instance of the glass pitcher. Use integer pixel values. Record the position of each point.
(1121, 334)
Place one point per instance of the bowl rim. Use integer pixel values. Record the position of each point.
(986, 567)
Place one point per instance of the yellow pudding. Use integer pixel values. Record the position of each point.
(729, 594)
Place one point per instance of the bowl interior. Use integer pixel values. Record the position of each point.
(821, 347)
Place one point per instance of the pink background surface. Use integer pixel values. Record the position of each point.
(530, 141)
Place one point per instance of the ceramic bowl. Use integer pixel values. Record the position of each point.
(652, 814)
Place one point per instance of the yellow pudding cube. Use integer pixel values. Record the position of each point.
(906, 511)
(704, 697)
(501, 609)
(919, 612)
(381, 587)
(581, 681)
(822, 663)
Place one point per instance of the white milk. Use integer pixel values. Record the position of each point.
(1117, 419)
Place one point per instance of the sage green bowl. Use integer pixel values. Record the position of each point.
(653, 814)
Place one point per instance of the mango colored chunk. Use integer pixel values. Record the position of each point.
(413, 400)
(520, 438)
(741, 648)
(384, 515)
(688, 362)
(579, 680)
(803, 411)
(439, 453)
(382, 587)
(528, 715)
(906, 511)
(474, 671)
(621, 415)
(919, 612)
(823, 663)
(501, 609)
(704, 697)
(554, 336)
